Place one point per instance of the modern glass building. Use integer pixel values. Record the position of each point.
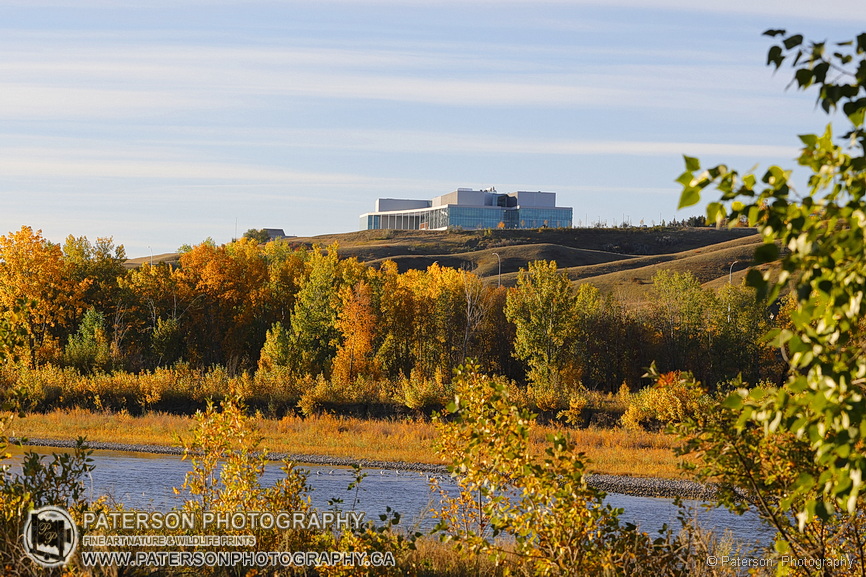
(470, 209)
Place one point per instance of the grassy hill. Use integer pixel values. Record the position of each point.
(621, 260)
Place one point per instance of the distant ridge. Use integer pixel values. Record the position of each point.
(614, 259)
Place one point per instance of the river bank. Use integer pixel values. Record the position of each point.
(620, 484)
(609, 450)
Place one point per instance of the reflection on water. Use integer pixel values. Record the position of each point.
(145, 481)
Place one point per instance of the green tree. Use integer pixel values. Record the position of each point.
(87, 350)
(98, 265)
(260, 236)
(739, 320)
(314, 337)
(679, 313)
(822, 404)
(543, 308)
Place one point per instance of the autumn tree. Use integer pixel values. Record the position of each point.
(474, 295)
(357, 322)
(494, 338)
(397, 311)
(158, 302)
(287, 270)
(224, 324)
(33, 270)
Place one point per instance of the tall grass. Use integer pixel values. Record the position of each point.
(275, 392)
(611, 451)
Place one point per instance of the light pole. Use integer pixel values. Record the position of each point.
(499, 277)
(730, 278)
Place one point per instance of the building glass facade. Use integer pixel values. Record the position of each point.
(498, 211)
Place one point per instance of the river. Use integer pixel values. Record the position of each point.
(146, 481)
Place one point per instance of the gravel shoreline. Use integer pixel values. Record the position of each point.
(635, 486)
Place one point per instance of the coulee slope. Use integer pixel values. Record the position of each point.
(621, 260)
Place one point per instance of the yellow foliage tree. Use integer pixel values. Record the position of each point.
(33, 270)
(357, 322)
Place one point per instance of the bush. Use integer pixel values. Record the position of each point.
(536, 514)
(673, 397)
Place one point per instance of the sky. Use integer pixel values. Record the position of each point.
(163, 123)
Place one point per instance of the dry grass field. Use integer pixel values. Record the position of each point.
(612, 451)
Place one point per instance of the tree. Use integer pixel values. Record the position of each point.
(823, 402)
(314, 336)
(99, 268)
(224, 320)
(98, 264)
(542, 308)
(159, 299)
(260, 236)
(679, 309)
(358, 324)
(397, 312)
(88, 350)
(33, 270)
(553, 522)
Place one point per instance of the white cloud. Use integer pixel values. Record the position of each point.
(840, 10)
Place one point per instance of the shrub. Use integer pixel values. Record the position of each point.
(536, 514)
(674, 396)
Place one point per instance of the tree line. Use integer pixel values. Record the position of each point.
(248, 306)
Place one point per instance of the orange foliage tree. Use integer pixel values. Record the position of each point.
(33, 271)
(358, 323)
(230, 286)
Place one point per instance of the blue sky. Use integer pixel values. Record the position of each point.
(163, 123)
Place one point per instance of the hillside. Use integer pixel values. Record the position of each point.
(622, 260)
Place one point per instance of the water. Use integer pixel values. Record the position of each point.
(146, 481)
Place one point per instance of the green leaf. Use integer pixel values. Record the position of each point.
(690, 197)
(803, 77)
(733, 401)
(775, 56)
(715, 212)
(766, 253)
(809, 140)
(692, 163)
(855, 111)
(685, 178)
(754, 278)
(793, 41)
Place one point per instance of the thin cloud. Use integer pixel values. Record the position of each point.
(838, 10)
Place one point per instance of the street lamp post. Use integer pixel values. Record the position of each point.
(730, 279)
(499, 276)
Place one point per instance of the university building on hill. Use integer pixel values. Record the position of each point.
(470, 209)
